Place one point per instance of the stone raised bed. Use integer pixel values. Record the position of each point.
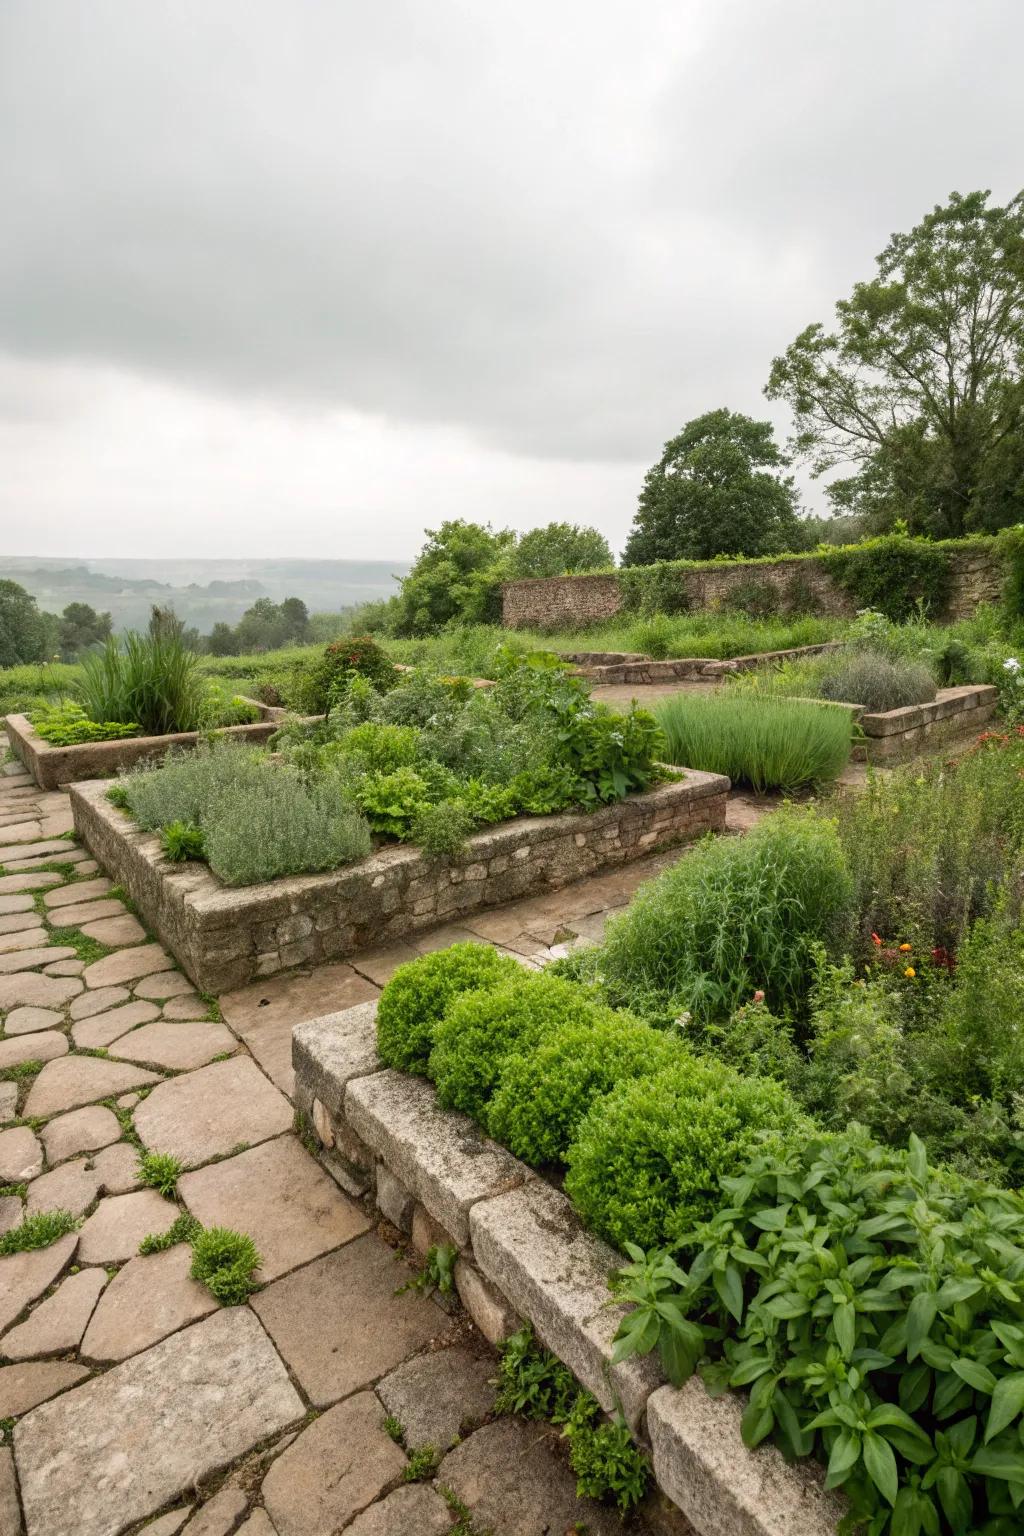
(52, 766)
(525, 1255)
(223, 937)
(954, 712)
(631, 669)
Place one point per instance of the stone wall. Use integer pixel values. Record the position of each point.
(524, 1255)
(224, 937)
(52, 766)
(953, 713)
(797, 584)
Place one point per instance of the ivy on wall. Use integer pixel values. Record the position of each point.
(894, 574)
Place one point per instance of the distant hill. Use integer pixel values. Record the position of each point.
(202, 592)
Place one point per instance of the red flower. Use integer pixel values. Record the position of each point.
(876, 940)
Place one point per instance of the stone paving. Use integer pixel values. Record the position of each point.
(130, 1400)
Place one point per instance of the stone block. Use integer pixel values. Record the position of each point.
(488, 1308)
(532, 1246)
(440, 1157)
(700, 1461)
(330, 1051)
(394, 1200)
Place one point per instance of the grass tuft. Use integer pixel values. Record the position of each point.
(768, 743)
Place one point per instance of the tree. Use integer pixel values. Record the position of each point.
(559, 549)
(919, 386)
(222, 640)
(713, 492)
(295, 618)
(26, 635)
(80, 627)
(457, 578)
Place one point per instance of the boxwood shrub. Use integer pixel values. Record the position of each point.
(480, 1029)
(648, 1158)
(544, 1093)
(414, 1000)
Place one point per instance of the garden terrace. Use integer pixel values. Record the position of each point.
(225, 937)
(645, 669)
(523, 1254)
(916, 728)
(53, 766)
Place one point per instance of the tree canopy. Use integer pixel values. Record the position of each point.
(457, 578)
(26, 634)
(80, 627)
(559, 549)
(716, 490)
(919, 386)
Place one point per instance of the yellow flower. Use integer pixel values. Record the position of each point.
(910, 971)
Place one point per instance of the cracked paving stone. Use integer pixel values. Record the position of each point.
(334, 1469)
(219, 1515)
(126, 965)
(98, 1032)
(413, 1511)
(83, 1130)
(149, 1298)
(281, 1197)
(21, 1156)
(437, 1396)
(71, 1187)
(119, 1223)
(124, 1445)
(97, 1002)
(74, 1080)
(29, 1382)
(24, 1276)
(212, 1111)
(58, 1323)
(178, 1047)
(86, 912)
(26, 959)
(31, 990)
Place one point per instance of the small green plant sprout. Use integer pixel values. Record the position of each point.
(184, 1229)
(392, 1427)
(160, 1170)
(224, 1261)
(422, 1464)
(652, 1283)
(437, 1274)
(532, 1382)
(37, 1231)
(606, 1462)
(117, 794)
(183, 840)
(20, 1070)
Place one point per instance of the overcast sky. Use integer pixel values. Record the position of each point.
(299, 277)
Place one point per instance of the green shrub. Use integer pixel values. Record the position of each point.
(611, 754)
(647, 1162)
(316, 688)
(414, 1000)
(441, 830)
(734, 916)
(756, 1043)
(893, 574)
(182, 840)
(882, 1333)
(393, 802)
(544, 1093)
(769, 743)
(381, 748)
(66, 725)
(877, 682)
(152, 681)
(480, 1029)
(224, 1261)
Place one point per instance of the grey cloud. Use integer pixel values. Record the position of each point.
(564, 228)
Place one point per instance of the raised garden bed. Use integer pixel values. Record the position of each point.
(524, 1255)
(223, 937)
(631, 669)
(917, 727)
(53, 766)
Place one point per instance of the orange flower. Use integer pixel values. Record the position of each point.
(875, 939)
(905, 949)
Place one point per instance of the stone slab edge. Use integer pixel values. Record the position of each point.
(528, 1247)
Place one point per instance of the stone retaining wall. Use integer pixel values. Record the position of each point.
(643, 669)
(954, 712)
(52, 766)
(795, 584)
(525, 1255)
(223, 937)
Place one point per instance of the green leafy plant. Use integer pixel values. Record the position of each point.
(160, 1170)
(224, 1262)
(414, 1001)
(608, 1465)
(767, 742)
(441, 830)
(869, 1304)
(422, 1464)
(393, 802)
(153, 682)
(67, 725)
(532, 1382)
(438, 1272)
(37, 1231)
(182, 840)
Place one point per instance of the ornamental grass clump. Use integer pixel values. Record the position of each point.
(647, 1161)
(152, 681)
(767, 742)
(733, 917)
(415, 999)
(544, 1093)
(878, 682)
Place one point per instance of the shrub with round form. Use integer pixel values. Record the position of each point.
(480, 1029)
(647, 1161)
(414, 1000)
(544, 1093)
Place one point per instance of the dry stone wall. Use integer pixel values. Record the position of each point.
(793, 584)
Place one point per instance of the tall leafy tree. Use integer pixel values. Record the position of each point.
(456, 579)
(559, 549)
(25, 634)
(80, 627)
(716, 490)
(919, 386)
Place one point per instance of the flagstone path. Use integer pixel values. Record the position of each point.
(129, 1400)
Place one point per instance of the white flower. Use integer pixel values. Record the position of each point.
(1011, 664)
